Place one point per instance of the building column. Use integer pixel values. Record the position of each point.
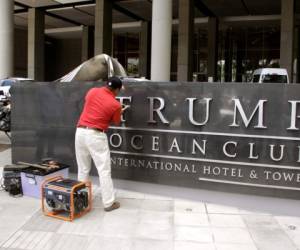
(212, 63)
(287, 36)
(185, 40)
(87, 43)
(7, 41)
(36, 44)
(103, 27)
(145, 48)
(161, 40)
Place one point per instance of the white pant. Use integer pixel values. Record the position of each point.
(91, 144)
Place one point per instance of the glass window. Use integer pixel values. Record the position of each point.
(200, 55)
(246, 47)
(126, 50)
(133, 66)
(7, 82)
(274, 78)
(174, 55)
(256, 78)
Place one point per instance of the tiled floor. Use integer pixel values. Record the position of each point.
(143, 224)
(155, 217)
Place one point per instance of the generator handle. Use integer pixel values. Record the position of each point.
(86, 184)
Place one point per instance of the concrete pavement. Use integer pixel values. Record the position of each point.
(154, 217)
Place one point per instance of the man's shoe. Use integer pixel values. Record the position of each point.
(114, 206)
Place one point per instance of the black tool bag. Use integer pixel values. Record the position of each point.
(5, 116)
(12, 180)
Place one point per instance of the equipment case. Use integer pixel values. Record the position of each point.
(32, 178)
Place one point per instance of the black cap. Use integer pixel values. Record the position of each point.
(114, 82)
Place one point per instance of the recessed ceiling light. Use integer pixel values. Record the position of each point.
(70, 1)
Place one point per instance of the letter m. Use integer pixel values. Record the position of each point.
(238, 107)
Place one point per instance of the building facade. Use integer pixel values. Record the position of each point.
(177, 40)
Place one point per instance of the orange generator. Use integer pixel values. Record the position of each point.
(66, 199)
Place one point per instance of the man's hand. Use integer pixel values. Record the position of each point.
(124, 107)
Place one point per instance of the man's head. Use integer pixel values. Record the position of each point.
(114, 83)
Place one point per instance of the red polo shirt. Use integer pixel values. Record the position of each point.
(100, 109)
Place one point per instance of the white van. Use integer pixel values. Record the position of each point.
(271, 75)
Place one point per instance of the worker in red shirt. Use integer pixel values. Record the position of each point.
(100, 109)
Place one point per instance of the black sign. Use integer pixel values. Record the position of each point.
(230, 137)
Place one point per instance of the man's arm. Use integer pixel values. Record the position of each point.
(116, 119)
(117, 115)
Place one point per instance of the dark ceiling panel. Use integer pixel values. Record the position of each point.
(53, 23)
(21, 20)
(89, 12)
(142, 8)
(89, 9)
(74, 14)
(226, 7)
(202, 8)
(119, 17)
(37, 3)
(198, 13)
(264, 7)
